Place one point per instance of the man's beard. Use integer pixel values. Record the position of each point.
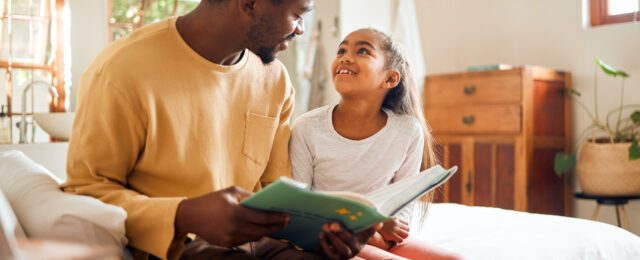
(266, 54)
(260, 33)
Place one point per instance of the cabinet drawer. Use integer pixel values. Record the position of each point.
(473, 88)
(475, 119)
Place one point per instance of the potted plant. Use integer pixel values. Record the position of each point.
(608, 161)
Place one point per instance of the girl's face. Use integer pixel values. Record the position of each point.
(359, 66)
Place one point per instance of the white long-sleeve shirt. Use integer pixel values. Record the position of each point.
(328, 161)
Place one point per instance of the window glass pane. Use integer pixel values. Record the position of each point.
(184, 6)
(3, 86)
(22, 77)
(125, 11)
(28, 7)
(119, 32)
(30, 40)
(4, 42)
(157, 10)
(622, 6)
(128, 13)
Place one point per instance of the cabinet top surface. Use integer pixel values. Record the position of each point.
(535, 72)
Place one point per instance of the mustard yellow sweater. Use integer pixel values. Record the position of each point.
(157, 123)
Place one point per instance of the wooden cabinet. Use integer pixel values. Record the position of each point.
(503, 129)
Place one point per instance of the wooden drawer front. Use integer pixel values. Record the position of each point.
(493, 88)
(475, 119)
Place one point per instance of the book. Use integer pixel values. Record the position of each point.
(309, 210)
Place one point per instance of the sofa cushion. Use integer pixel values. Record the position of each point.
(46, 212)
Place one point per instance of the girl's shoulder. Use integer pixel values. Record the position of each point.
(408, 123)
(313, 118)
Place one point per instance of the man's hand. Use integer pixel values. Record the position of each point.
(339, 243)
(218, 218)
(396, 230)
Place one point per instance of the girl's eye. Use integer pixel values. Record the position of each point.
(341, 51)
(363, 51)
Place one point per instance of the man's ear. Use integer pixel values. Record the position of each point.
(248, 6)
(393, 79)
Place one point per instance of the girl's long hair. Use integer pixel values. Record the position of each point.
(405, 100)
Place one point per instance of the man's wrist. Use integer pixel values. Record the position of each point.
(182, 219)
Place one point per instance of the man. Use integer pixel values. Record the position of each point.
(177, 120)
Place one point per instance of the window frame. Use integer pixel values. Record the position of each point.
(600, 14)
(54, 67)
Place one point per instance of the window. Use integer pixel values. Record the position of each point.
(31, 48)
(127, 15)
(614, 11)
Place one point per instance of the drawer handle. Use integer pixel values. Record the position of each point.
(468, 120)
(469, 90)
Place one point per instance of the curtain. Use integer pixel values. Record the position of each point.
(406, 33)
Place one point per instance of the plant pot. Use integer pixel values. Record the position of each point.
(605, 169)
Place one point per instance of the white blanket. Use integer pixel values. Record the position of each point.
(492, 233)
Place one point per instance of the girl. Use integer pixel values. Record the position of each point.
(375, 136)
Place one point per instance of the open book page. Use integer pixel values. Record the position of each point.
(351, 196)
(392, 198)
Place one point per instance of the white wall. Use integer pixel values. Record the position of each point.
(88, 37)
(356, 14)
(52, 156)
(459, 33)
(351, 15)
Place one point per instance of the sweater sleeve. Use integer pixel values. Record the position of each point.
(109, 133)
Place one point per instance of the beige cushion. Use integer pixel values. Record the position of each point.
(45, 212)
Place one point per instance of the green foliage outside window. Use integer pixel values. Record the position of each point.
(127, 15)
(124, 11)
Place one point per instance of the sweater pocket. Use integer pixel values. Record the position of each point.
(259, 133)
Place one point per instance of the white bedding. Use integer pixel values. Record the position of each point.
(485, 233)
(492, 233)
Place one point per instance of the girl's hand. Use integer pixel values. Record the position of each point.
(396, 230)
(378, 241)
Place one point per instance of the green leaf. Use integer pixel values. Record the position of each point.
(635, 116)
(563, 162)
(611, 70)
(573, 91)
(634, 150)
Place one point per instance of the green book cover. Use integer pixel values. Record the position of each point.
(309, 210)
